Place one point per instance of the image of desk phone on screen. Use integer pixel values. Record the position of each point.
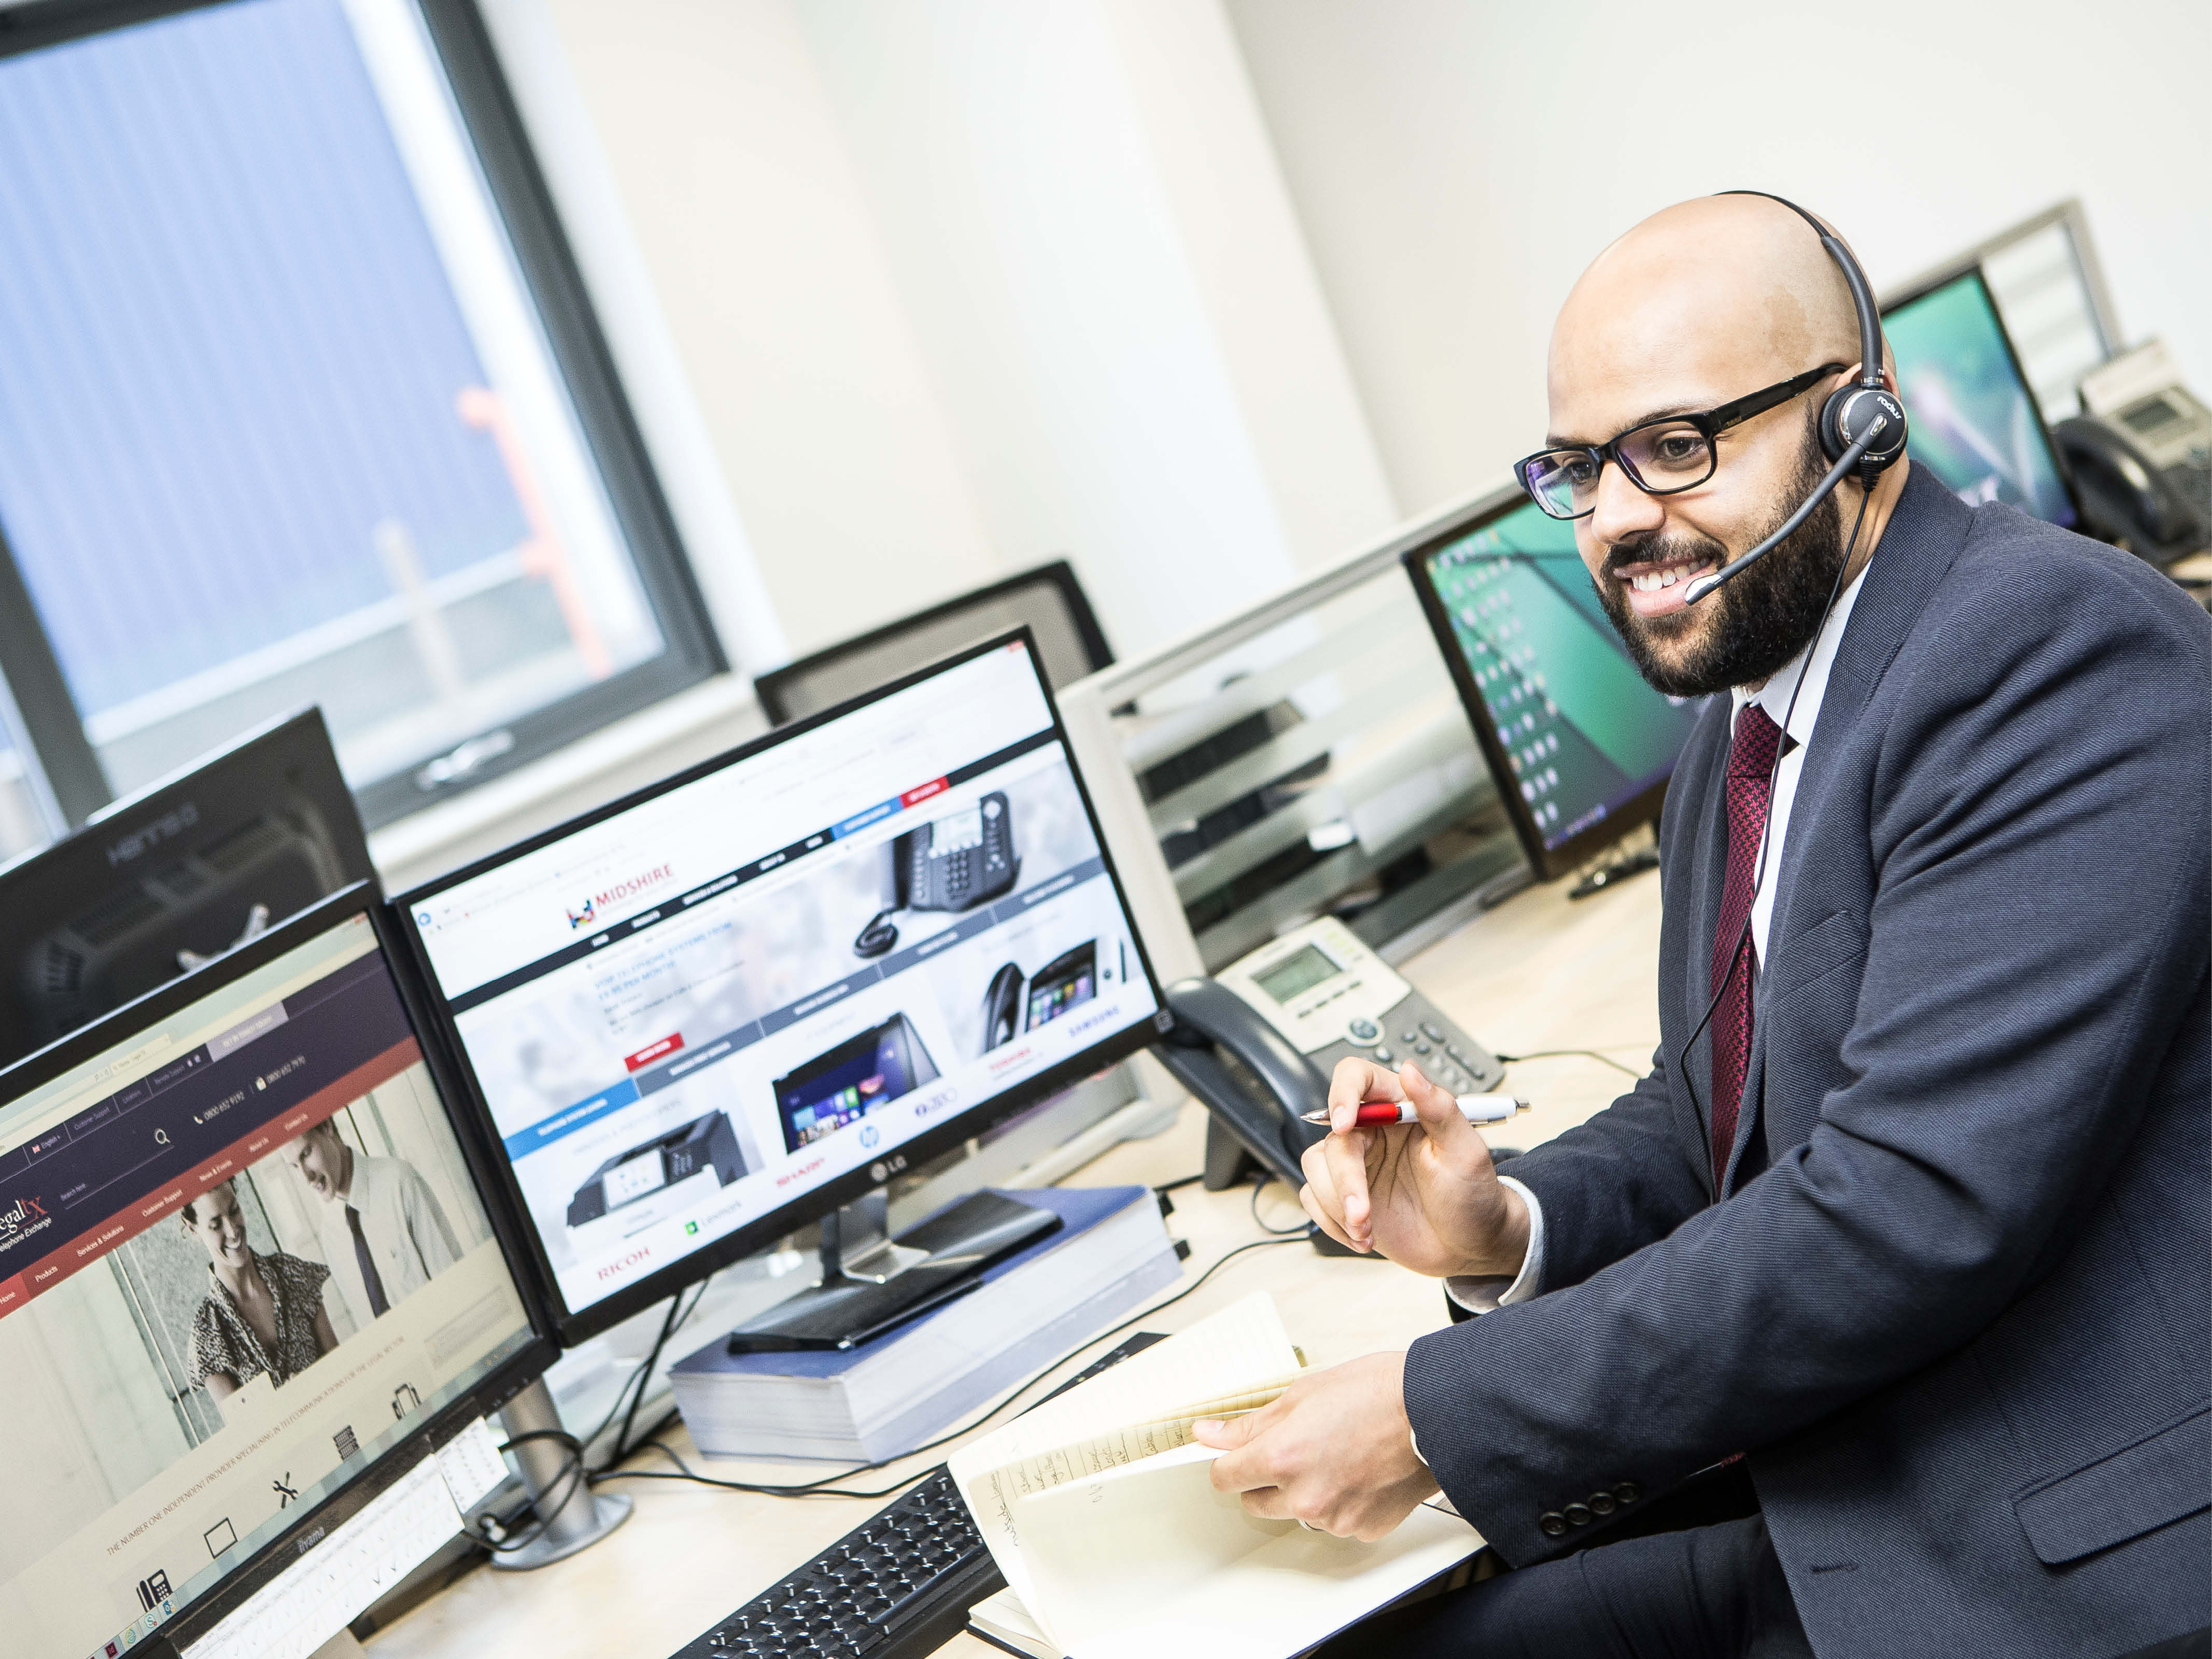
(705, 1143)
(845, 1083)
(956, 862)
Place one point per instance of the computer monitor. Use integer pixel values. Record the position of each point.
(172, 875)
(711, 1012)
(249, 1283)
(1048, 601)
(1975, 423)
(1579, 744)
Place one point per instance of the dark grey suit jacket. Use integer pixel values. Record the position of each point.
(1954, 1301)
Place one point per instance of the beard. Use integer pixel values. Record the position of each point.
(1762, 618)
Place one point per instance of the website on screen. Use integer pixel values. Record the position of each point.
(688, 1014)
(241, 1256)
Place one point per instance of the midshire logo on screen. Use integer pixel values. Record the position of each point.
(629, 887)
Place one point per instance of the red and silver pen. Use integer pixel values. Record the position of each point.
(1475, 1109)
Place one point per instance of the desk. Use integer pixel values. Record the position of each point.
(1536, 972)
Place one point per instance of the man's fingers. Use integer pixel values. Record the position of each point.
(1353, 1081)
(1322, 1218)
(1268, 1503)
(1223, 1433)
(1441, 1121)
(1347, 1159)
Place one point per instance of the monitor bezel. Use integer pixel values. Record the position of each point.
(1549, 864)
(767, 687)
(1920, 290)
(224, 787)
(574, 1325)
(490, 1392)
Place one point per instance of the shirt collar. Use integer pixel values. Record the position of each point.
(1812, 665)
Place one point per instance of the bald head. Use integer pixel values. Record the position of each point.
(1702, 302)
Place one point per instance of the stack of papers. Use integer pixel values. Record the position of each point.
(876, 1401)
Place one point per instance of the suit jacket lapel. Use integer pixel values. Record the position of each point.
(1922, 538)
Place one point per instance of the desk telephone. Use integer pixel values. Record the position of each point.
(1257, 1043)
(952, 863)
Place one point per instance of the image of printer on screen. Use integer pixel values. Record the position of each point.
(1975, 423)
(706, 1145)
(690, 950)
(1579, 744)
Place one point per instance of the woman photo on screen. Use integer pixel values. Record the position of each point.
(261, 1313)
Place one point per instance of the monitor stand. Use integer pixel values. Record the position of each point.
(869, 1291)
(571, 1517)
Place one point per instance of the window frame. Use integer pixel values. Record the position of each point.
(554, 285)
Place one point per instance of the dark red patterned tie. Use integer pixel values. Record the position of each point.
(1750, 779)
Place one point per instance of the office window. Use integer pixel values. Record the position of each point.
(303, 403)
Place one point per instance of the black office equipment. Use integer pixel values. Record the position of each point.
(707, 1143)
(951, 863)
(173, 876)
(1069, 980)
(897, 1586)
(2160, 513)
(1048, 600)
(159, 1152)
(1579, 744)
(689, 950)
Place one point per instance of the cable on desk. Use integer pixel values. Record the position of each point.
(824, 1488)
(1260, 1183)
(1566, 1053)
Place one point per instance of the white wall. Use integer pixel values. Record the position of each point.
(1456, 164)
(961, 285)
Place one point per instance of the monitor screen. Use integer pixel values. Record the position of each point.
(241, 1259)
(1579, 744)
(700, 1016)
(1974, 421)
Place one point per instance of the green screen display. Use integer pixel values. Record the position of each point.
(1583, 733)
(1974, 425)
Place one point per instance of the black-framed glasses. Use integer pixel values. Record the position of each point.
(1662, 458)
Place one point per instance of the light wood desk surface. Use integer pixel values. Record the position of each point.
(1536, 972)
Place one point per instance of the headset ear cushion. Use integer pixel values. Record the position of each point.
(1833, 442)
(1854, 408)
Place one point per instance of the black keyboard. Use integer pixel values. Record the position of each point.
(897, 1586)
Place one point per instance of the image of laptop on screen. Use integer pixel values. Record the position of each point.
(689, 950)
(270, 1132)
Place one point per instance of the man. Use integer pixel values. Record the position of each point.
(383, 1229)
(1892, 1271)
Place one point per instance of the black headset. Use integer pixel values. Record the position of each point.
(1862, 424)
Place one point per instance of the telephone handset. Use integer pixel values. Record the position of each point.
(1257, 1043)
(2126, 496)
(951, 863)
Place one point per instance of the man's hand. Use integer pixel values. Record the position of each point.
(1335, 1451)
(1425, 1194)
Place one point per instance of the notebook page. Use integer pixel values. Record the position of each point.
(1218, 1358)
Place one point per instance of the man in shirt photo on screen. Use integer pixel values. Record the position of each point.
(383, 1228)
(1872, 1320)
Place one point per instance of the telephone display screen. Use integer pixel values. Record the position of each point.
(959, 832)
(1973, 421)
(721, 946)
(1296, 974)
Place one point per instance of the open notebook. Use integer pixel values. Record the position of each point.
(1098, 1508)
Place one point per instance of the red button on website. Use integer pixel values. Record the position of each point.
(652, 1051)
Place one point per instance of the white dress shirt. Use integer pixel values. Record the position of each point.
(1813, 667)
(408, 1237)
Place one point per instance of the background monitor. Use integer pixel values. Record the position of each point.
(174, 874)
(1975, 423)
(1048, 601)
(1579, 744)
(161, 1461)
(711, 1012)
